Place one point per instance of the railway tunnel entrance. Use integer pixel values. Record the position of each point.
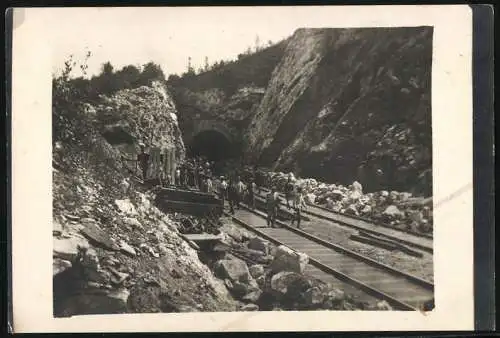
(215, 140)
(213, 145)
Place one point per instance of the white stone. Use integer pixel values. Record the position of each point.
(259, 244)
(357, 187)
(235, 269)
(126, 248)
(67, 248)
(256, 271)
(126, 207)
(393, 212)
(60, 265)
(133, 222)
(310, 198)
(286, 259)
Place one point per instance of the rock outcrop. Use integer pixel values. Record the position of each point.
(144, 114)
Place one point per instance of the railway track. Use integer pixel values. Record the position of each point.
(337, 265)
(419, 241)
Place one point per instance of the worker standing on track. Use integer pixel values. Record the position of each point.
(209, 185)
(259, 181)
(178, 177)
(272, 203)
(203, 183)
(196, 176)
(182, 175)
(252, 189)
(240, 191)
(289, 191)
(232, 195)
(299, 204)
(223, 189)
(168, 180)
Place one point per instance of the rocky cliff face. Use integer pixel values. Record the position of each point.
(214, 104)
(146, 114)
(350, 104)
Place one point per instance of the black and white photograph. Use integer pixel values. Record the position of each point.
(213, 161)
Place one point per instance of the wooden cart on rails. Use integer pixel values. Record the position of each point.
(190, 202)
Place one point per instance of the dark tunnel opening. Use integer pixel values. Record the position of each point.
(213, 145)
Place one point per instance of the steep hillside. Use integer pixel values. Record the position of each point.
(350, 104)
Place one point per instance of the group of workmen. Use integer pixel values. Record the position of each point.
(194, 172)
(197, 173)
(236, 191)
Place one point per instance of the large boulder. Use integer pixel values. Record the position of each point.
(366, 210)
(287, 259)
(250, 307)
(234, 269)
(60, 265)
(356, 186)
(252, 296)
(133, 222)
(126, 207)
(383, 306)
(94, 302)
(416, 216)
(334, 299)
(67, 248)
(259, 244)
(256, 271)
(280, 281)
(392, 212)
(99, 237)
(236, 233)
(355, 195)
(330, 203)
(352, 210)
(336, 194)
(57, 228)
(310, 198)
(313, 297)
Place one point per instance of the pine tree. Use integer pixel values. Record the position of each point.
(257, 42)
(207, 66)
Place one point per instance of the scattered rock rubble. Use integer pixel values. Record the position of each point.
(114, 251)
(130, 264)
(262, 276)
(399, 209)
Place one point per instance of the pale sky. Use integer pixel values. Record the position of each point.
(167, 36)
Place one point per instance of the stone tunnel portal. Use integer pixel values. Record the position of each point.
(212, 144)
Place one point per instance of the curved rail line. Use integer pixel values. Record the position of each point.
(401, 290)
(420, 241)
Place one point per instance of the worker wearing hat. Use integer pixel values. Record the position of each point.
(143, 160)
(223, 189)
